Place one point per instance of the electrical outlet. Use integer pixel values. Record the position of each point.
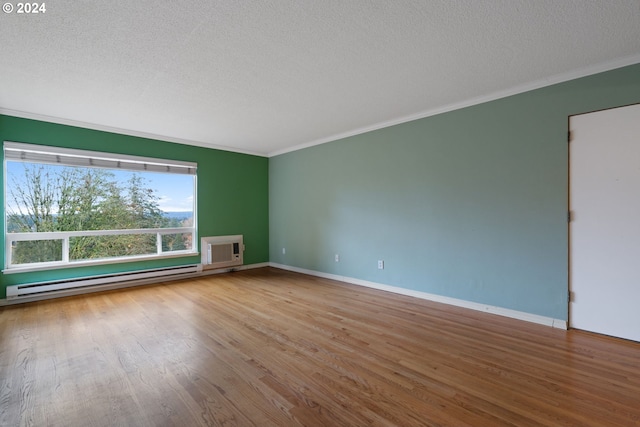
(284, 251)
(337, 258)
(380, 264)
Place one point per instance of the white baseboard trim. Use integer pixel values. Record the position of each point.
(120, 285)
(506, 312)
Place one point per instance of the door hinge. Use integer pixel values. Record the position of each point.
(569, 136)
(568, 216)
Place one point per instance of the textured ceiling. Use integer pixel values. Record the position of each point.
(268, 76)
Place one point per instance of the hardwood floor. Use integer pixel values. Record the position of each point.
(273, 348)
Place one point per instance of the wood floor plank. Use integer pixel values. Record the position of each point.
(268, 347)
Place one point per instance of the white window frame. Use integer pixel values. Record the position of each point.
(30, 153)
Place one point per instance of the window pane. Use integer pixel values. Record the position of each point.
(28, 252)
(96, 247)
(176, 242)
(62, 198)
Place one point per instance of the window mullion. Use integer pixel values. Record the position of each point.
(65, 249)
(159, 243)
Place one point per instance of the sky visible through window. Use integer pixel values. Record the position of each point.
(174, 191)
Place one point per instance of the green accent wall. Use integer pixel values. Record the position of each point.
(469, 204)
(232, 191)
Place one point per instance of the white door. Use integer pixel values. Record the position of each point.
(605, 225)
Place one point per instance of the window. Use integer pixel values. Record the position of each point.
(68, 207)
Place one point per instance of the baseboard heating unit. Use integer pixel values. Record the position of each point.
(58, 288)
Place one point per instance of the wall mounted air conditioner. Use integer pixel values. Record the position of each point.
(221, 251)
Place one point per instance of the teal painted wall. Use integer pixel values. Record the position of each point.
(468, 204)
(232, 190)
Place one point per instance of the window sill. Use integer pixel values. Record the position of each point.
(44, 266)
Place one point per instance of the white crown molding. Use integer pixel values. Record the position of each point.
(128, 132)
(500, 311)
(558, 78)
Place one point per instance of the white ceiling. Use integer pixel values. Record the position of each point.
(269, 76)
